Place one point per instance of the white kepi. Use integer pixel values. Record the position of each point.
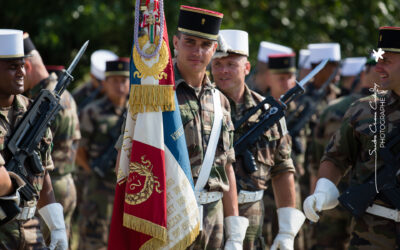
(352, 66)
(11, 44)
(321, 51)
(267, 48)
(234, 42)
(98, 61)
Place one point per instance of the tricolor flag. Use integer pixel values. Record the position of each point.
(155, 206)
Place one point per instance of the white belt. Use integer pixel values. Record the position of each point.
(250, 196)
(26, 213)
(204, 197)
(388, 213)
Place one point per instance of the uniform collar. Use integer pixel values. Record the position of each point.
(18, 106)
(394, 99)
(178, 79)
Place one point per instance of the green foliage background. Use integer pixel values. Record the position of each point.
(59, 28)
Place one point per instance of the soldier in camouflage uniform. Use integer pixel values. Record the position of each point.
(24, 231)
(353, 147)
(271, 152)
(97, 120)
(93, 90)
(65, 130)
(332, 231)
(195, 44)
(282, 69)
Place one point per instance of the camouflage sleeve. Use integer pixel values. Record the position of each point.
(86, 126)
(343, 146)
(228, 128)
(282, 159)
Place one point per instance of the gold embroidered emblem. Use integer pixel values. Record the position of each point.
(286, 62)
(120, 66)
(380, 38)
(138, 172)
(157, 69)
(203, 20)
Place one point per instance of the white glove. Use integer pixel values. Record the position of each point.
(52, 214)
(290, 221)
(324, 197)
(235, 230)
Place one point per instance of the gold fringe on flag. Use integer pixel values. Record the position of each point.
(189, 239)
(151, 98)
(145, 227)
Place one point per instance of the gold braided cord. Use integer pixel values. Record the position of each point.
(145, 227)
(156, 70)
(151, 98)
(152, 244)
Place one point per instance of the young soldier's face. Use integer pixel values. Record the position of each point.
(389, 71)
(230, 71)
(116, 86)
(281, 83)
(194, 53)
(12, 73)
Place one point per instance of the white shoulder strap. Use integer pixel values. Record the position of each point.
(212, 144)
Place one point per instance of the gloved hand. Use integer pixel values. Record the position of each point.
(235, 230)
(324, 197)
(290, 221)
(52, 214)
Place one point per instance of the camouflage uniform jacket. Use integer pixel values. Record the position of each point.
(353, 144)
(83, 92)
(329, 123)
(11, 116)
(271, 152)
(65, 128)
(197, 114)
(97, 119)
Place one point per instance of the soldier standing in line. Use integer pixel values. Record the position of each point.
(333, 230)
(271, 153)
(65, 130)
(282, 69)
(350, 149)
(195, 44)
(98, 120)
(261, 76)
(24, 231)
(93, 89)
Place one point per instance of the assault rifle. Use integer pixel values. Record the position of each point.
(272, 112)
(106, 161)
(309, 103)
(358, 198)
(23, 143)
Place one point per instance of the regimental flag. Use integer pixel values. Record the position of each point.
(155, 206)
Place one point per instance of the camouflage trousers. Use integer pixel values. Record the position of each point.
(95, 213)
(212, 235)
(373, 232)
(65, 194)
(332, 230)
(18, 235)
(254, 212)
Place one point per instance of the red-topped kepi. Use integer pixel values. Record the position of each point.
(199, 22)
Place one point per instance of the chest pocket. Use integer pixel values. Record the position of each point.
(186, 114)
